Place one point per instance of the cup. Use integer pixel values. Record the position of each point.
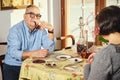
(88, 54)
(83, 54)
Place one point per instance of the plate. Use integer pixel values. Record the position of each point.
(63, 57)
(72, 67)
(75, 59)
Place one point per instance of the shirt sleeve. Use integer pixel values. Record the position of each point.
(100, 67)
(14, 45)
(47, 43)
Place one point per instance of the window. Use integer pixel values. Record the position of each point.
(73, 10)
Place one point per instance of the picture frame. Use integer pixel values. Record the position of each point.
(14, 4)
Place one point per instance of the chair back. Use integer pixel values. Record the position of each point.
(2, 56)
(61, 38)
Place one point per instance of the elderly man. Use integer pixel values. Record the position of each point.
(28, 38)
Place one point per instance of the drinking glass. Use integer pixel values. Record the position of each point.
(81, 50)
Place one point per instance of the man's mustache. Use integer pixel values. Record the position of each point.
(37, 26)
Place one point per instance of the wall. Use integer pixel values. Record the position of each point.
(8, 18)
(50, 10)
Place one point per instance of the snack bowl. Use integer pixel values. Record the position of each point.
(38, 61)
(51, 63)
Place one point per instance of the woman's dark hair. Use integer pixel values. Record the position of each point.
(108, 20)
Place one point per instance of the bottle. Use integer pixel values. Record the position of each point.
(81, 44)
(82, 41)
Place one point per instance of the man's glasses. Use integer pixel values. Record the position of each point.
(33, 15)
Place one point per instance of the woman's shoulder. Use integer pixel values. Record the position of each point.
(107, 51)
(109, 48)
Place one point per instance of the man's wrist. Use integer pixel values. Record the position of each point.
(51, 31)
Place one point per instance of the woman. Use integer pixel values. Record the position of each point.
(106, 63)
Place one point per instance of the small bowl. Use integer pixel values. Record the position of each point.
(38, 61)
(51, 63)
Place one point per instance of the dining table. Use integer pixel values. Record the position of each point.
(59, 65)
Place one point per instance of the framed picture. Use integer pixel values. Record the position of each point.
(14, 4)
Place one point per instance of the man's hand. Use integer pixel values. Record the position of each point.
(37, 53)
(40, 53)
(42, 24)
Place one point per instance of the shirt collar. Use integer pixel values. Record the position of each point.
(27, 29)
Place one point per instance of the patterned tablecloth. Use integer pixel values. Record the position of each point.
(53, 68)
